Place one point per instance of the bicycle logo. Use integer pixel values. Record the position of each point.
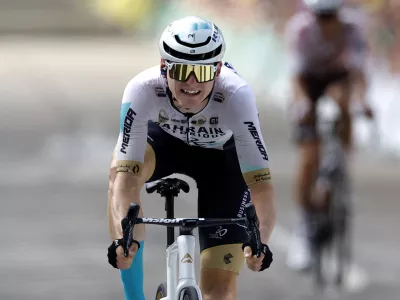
(219, 233)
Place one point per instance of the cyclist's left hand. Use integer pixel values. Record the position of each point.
(258, 264)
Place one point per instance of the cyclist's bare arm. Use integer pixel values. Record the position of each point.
(262, 195)
(253, 157)
(298, 89)
(111, 179)
(122, 191)
(358, 54)
(359, 86)
(130, 168)
(359, 80)
(116, 208)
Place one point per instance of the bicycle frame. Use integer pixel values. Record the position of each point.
(180, 257)
(180, 253)
(333, 172)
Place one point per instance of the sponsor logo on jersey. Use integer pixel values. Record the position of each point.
(202, 132)
(199, 143)
(200, 120)
(127, 129)
(129, 166)
(160, 92)
(183, 121)
(256, 136)
(228, 65)
(163, 116)
(245, 200)
(257, 176)
(195, 135)
(262, 176)
(214, 120)
(219, 97)
(227, 258)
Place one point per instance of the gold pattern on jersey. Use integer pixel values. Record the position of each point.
(129, 166)
(257, 176)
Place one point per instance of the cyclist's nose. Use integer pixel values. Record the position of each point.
(191, 79)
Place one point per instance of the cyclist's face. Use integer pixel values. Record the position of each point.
(329, 24)
(190, 93)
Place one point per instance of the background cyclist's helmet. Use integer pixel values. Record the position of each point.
(323, 6)
(192, 40)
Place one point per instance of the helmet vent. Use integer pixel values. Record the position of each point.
(192, 57)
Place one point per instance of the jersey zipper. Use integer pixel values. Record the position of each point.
(188, 129)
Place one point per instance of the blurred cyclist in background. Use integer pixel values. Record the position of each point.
(327, 52)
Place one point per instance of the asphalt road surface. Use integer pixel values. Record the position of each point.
(59, 122)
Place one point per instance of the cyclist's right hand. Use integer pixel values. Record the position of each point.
(126, 262)
(116, 256)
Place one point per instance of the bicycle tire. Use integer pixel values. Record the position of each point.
(189, 293)
(343, 247)
(341, 218)
(338, 246)
(318, 254)
(323, 243)
(161, 291)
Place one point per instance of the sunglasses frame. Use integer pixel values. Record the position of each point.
(170, 65)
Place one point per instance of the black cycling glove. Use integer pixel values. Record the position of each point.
(267, 260)
(112, 253)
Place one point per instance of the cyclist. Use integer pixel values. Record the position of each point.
(193, 114)
(327, 52)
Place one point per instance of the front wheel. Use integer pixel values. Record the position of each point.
(161, 291)
(189, 293)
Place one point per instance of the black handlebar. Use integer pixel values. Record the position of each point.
(250, 221)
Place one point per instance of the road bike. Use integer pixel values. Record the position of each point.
(181, 281)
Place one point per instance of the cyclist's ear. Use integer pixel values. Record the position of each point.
(219, 66)
(163, 67)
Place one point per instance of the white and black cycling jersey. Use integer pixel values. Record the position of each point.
(231, 111)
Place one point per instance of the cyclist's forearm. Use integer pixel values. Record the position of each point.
(120, 197)
(262, 195)
(298, 89)
(360, 84)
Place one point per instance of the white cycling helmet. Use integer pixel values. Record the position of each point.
(192, 40)
(321, 6)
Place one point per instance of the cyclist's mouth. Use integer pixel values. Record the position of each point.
(190, 92)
